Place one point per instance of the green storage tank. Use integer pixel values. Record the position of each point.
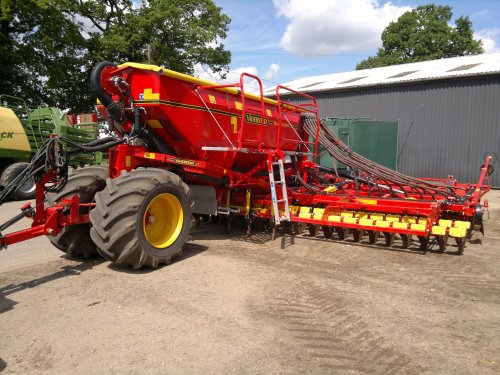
(375, 140)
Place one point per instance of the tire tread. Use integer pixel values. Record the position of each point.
(85, 182)
(115, 218)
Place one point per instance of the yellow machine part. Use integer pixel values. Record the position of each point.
(380, 221)
(13, 140)
(163, 220)
(377, 220)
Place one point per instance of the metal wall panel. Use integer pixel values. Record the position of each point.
(445, 127)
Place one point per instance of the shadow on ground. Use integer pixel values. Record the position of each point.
(189, 250)
(68, 270)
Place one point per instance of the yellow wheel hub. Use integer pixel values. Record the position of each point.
(163, 220)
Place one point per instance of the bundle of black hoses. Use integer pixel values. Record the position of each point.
(54, 157)
(382, 177)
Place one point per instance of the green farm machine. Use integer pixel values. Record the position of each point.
(24, 130)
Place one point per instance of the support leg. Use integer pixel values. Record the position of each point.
(373, 236)
(389, 238)
(327, 231)
(424, 242)
(312, 229)
(443, 242)
(249, 227)
(297, 228)
(340, 232)
(357, 234)
(406, 238)
(461, 245)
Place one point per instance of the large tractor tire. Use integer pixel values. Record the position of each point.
(23, 192)
(75, 240)
(142, 218)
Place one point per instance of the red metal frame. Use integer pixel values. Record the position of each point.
(303, 107)
(245, 108)
(48, 221)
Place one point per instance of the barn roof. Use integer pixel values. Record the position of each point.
(455, 67)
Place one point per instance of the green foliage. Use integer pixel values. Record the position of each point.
(424, 34)
(48, 47)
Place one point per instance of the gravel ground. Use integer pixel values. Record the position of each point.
(236, 304)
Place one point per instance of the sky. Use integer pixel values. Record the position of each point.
(283, 40)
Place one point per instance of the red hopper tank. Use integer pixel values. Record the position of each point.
(197, 119)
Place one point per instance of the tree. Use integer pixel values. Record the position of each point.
(48, 47)
(39, 51)
(424, 34)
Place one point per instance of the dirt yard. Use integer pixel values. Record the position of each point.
(233, 304)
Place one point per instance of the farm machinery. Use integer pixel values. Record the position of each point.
(24, 130)
(186, 147)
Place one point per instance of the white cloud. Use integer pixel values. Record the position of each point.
(490, 38)
(335, 26)
(272, 72)
(232, 76)
(250, 84)
(206, 73)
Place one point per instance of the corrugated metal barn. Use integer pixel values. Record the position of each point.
(448, 110)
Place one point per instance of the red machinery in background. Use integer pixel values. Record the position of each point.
(187, 146)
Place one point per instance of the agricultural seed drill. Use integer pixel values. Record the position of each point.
(186, 147)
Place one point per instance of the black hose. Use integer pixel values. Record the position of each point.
(466, 196)
(100, 141)
(52, 156)
(155, 141)
(85, 148)
(338, 150)
(112, 108)
(300, 179)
